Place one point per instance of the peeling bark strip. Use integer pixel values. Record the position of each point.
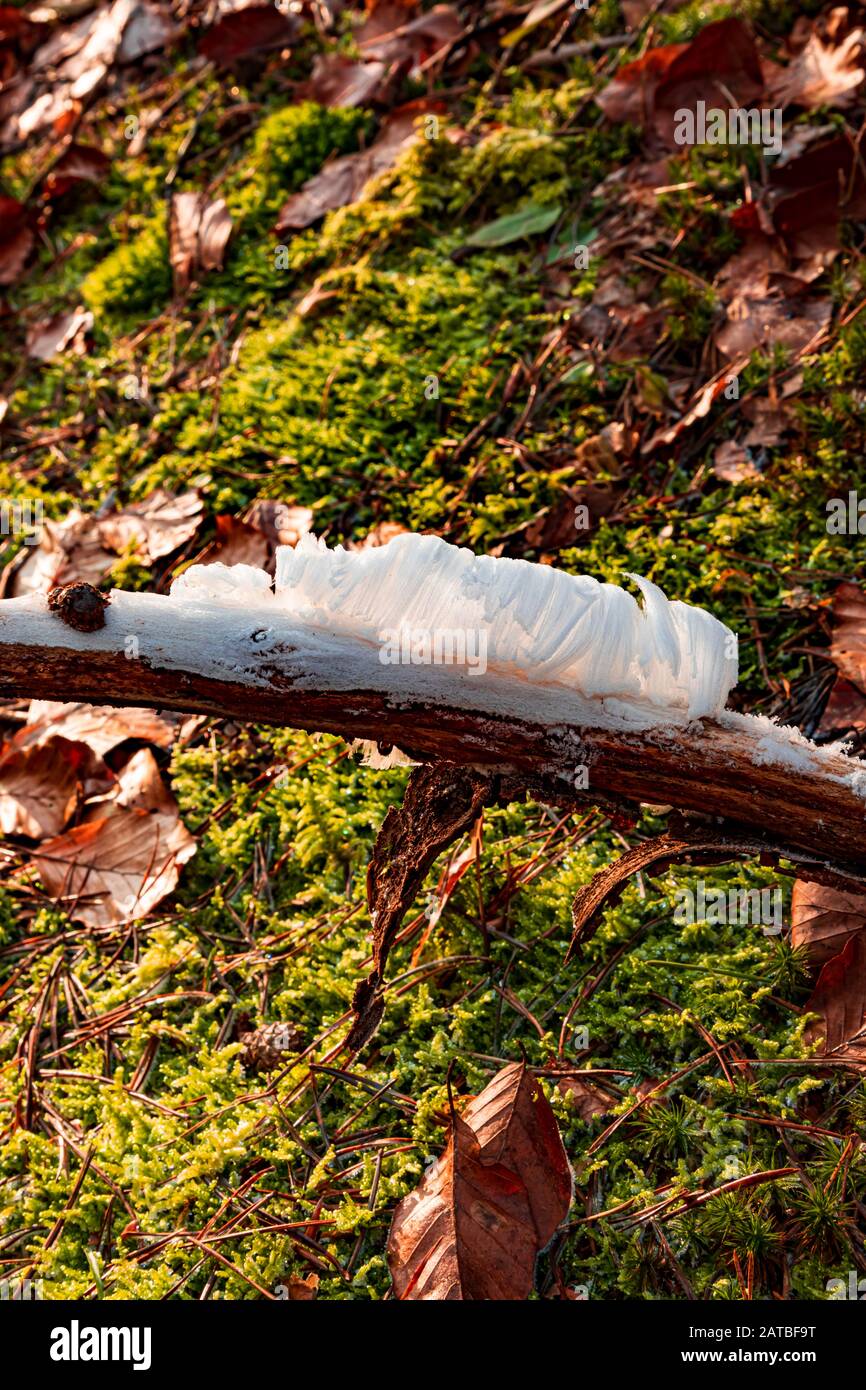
(440, 803)
(694, 844)
(190, 657)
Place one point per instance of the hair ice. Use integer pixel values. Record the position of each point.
(543, 626)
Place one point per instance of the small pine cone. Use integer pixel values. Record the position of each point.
(79, 605)
(266, 1048)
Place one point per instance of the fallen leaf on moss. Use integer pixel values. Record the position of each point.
(338, 81)
(200, 231)
(121, 864)
(253, 29)
(840, 1002)
(158, 526)
(101, 727)
(16, 239)
(475, 1225)
(343, 180)
(42, 784)
(45, 340)
(823, 920)
(527, 221)
(821, 74)
(732, 464)
(78, 164)
(588, 1099)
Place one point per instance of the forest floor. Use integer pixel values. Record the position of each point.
(520, 316)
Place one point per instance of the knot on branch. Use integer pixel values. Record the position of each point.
(79, 605)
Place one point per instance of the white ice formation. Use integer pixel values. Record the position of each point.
(544, 630)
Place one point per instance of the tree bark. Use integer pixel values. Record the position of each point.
(233, 662)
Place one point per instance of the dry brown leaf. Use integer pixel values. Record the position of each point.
(236, 543)
(381, 534)
(840, 1002)
(281, 523)
(484, 1211)
(720, 66)
(41, 785)
(156, 527)
(99, 726)
(732, 464)
(338, 81)
(821, 74)
(772, 322)
(200, 231)
(16, 239)
(823, 920)
(409, 43)
(441, 801)
(45, 340)
(769, 421)
(255, 28)
(588, 1099)
(67, 550)
(85, 545)
(302, 1290)
(150, 28)
(78, 164)
(343, 180)
(848, 648)
(845, 710)
(138, 787)
(118, 867)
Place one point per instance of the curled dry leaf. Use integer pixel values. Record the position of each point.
(67, 550)
(200, 231)
(85, 545)
(158, 526)
(41, 785)
(823, 920)
(839, 1001)
(343, 180)
(441, 801)
(16, 239)
(99, 726)
(821, 74)
(45, 340)
(338, 81)
(253, 29)
(119, 865)
(489, 1205)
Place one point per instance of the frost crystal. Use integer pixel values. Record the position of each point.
(542, 626)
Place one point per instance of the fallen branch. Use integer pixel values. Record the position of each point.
(229, 661)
